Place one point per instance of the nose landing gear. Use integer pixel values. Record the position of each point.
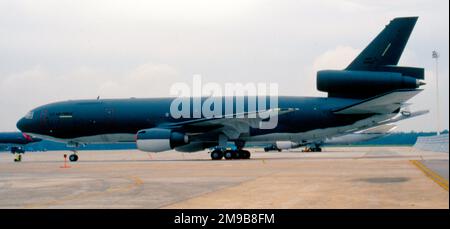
(73, 157)
(17, 151)
(18, 158)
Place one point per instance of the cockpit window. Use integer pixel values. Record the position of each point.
(64, 114)
(29, 115)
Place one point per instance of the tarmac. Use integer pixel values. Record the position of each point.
(338, 177)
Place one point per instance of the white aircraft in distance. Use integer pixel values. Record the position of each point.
(376, 131)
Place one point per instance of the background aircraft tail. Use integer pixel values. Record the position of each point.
(375, 70)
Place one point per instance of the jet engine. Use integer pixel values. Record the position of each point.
(158, 139)
(365, 82)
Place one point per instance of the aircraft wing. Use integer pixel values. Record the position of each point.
(385, 126)
(232, 125)
(405, 115)
(382, 104)
(382, 129)
(402, 116)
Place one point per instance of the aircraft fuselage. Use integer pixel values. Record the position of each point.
(118, 120)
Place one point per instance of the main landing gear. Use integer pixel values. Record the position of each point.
(228, 154)
(312, 149)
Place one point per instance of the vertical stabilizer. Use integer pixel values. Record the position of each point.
(387, 48)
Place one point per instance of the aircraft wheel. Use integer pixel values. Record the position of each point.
(245, 154)
(237, 154)
(18, 158)
(217, 154)
(73, 157)
(229, 154)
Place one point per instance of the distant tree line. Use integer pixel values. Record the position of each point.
(396, 138)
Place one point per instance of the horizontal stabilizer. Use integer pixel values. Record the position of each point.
(382, 104)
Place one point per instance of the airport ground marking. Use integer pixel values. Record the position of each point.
(431, 174)
(136, 182)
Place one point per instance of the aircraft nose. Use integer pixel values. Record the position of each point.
(23, 125)
(20, 124)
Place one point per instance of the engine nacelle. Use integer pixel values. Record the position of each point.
(158, 139)
(286, 145)
(363, 82)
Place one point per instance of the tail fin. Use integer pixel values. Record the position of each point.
(375, 72)
(387, 48)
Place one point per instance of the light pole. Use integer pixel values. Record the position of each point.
(435, 56)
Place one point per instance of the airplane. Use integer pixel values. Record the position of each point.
(359, 136)
(372, 132)
(373, 88)
(16, 141)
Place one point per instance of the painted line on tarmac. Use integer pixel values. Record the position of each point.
(431, 174)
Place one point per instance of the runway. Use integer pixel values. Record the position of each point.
(352, 177)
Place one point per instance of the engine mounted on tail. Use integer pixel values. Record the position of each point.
(374, 71)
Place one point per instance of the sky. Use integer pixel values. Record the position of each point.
(53, 50)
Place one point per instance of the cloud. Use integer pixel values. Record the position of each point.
(426, 100)
(147, 80)
(347, 6)
(53, 50)
(337, 58)
(25, 90)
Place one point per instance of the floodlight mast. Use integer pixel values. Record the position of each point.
(435, 56)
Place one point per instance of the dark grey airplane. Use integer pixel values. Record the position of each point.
(16, 140)
(371, 89)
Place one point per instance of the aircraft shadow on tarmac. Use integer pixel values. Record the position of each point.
(384, 180)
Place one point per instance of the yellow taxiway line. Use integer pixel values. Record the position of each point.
(431, 174)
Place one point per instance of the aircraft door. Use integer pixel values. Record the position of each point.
(43, 119)
(109, 117)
